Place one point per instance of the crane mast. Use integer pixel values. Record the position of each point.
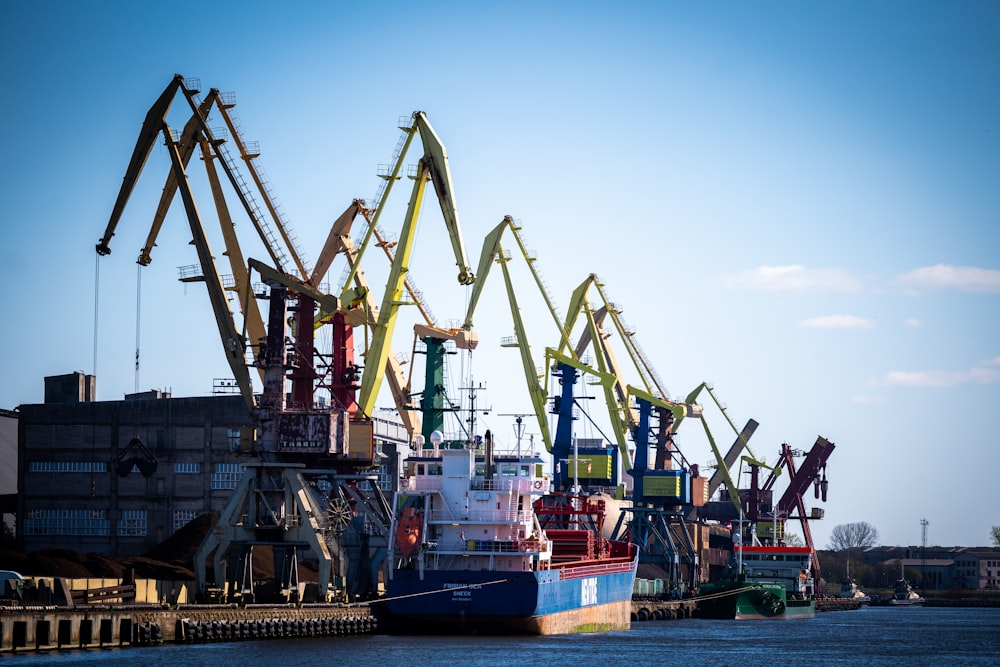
(433, 167)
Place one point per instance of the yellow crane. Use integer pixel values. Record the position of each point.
(493, 253)
(432, 167)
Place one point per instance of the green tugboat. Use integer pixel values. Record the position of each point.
(765, 582)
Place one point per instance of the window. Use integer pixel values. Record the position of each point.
(384, 478)
(233, 439)
(227, 475)
(68, 466)
(132, 523)
(183, 517)
(187, 468)
(66, 522)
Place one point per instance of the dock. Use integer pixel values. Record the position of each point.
(662, 610)
(41, 628)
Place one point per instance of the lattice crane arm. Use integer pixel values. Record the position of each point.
(189, 138)
(152, 125)
(233, 342)
(435, 161)
(155, 123)
(433, 167)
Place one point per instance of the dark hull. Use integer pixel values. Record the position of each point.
(742, 601)
(589, 598)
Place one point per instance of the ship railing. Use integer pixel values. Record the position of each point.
(597, 569)
(495, 484)
(480, 516)
(493, 547)
(499, 516)
(429, 483)
(516, 484)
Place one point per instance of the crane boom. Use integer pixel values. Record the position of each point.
(436, 163)
(378, 351)
(151, 127)
(269, 201)
(732, 455)
(433, 166)
(232, 340)
(185, 148)
(536, 392)
(252, 320)
(493, 252)
(335, 242)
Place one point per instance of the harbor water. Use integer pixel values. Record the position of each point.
(869, 636)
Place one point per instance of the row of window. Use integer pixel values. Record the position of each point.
(68, 466)
(224, 470)
(227, 475)
(977, 564)
(131, 523)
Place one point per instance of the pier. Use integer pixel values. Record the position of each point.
(39, 628)
(662, 610)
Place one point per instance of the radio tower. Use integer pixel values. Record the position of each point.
(923, 549)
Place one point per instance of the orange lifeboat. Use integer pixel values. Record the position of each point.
(408, 528)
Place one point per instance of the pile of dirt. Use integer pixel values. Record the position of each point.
(170, 560)
(179, 548)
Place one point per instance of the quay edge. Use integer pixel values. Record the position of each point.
(40, 628)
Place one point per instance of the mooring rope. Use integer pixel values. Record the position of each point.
(441, 590)
(713, 596)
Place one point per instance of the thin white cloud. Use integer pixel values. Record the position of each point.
(985, 373)
(912, 323)
(863, 399)
(795, 278)
(945, 276)
(837, 322)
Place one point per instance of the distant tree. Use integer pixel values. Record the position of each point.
(995, 535)
(853, 535)
(793, 540)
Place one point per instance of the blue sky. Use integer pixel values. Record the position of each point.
(795, 201)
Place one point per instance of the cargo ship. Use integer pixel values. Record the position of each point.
(763, 582)
(476, 549)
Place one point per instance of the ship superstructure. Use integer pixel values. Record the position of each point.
(469, 553)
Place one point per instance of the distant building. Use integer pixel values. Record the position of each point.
(935, 573)
(981, 568)
(180, 458)
(943, 567)
(8, 467)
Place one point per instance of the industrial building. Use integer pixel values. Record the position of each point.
(118, 477)
(8, 468)
(939, 568)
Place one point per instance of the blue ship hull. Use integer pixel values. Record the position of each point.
(556, 601)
